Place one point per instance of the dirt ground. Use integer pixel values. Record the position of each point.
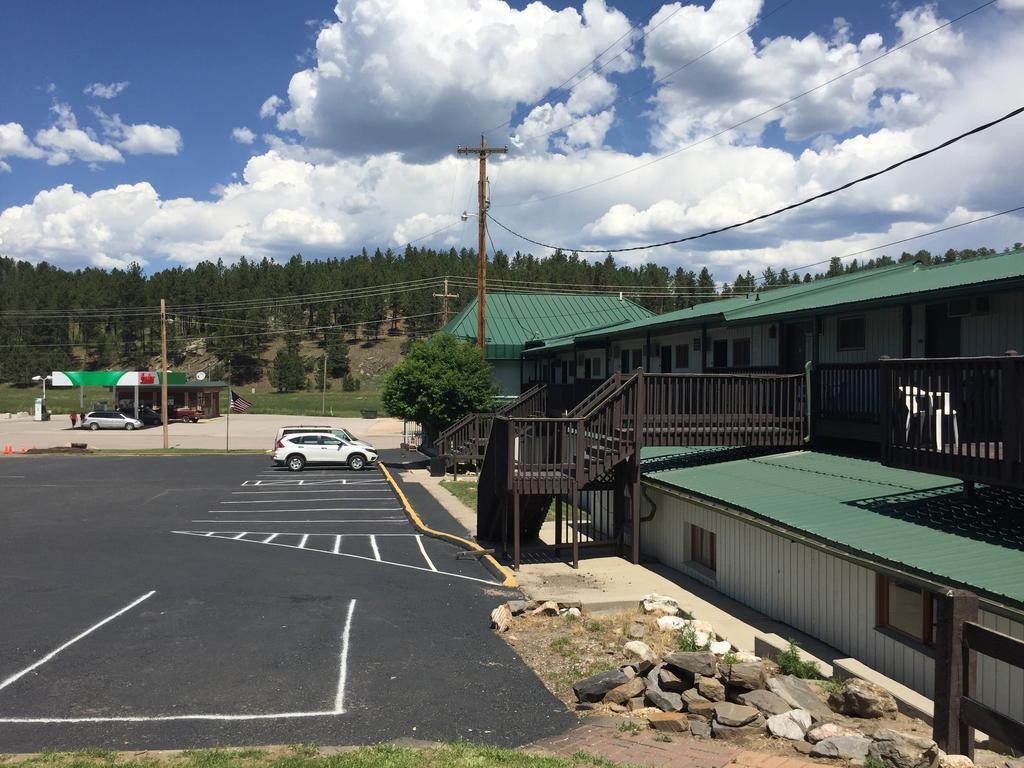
(562, 652)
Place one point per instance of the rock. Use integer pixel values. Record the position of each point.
(620, 694)
(666, 701)
(550, 608)
(790, 725)
(1013, 762)
(903, 750)
(740, 733)
(636, 631)
(766, 702)
(700, 729)
(692, 696)
(749, 676)
(734, 715)
(720, 647)
(644, 666)
(694, 662)
(655, 603)
(594, 688)
(672, 722)
(955, 761)
(586, 706)
(637, 649)
(572, 614)
(847, 747)
(636, 703)
(859, 698)
(803, 747)
(829, 731)
(501, 618)
(629, 671)
(670, 681)
(745, 657)
(520, 606)
(618, 708)
(704, 708)
(711, 689)
(799, 695)
(671, 623)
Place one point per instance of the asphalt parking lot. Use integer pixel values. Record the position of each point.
(174, 602)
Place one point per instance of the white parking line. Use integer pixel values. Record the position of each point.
(377, 520)
(304, 501)
(270, 538)
(269, 483)
(339, 697)
(17, 676)
(419, 540)
(373, 546)
(317, 490)
(337, 543)
(303, 540)
(241, 535)
(359, 557)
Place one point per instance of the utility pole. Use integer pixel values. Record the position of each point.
(444, 296)
(163, 369)
(481, 271)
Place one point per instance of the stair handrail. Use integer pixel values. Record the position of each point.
(446, 434)
(525, 397)
(602, 390)
(624, 381)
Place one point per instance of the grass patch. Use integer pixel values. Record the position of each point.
(465, 491)
(308, 756)
(790, 663)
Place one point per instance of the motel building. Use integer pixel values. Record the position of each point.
(133, 390)
(836, 456)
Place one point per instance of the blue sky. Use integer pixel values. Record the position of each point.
(358, 150)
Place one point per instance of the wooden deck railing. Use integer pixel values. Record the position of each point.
(844, 401)
(961, 417)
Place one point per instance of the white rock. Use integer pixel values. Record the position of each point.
(671, 623)
(702, 626)
(791, 725)
(638, 649)
(745, 657)
(572, 613)
(720, 647)
(655, 603)
(955, 761)
(701, 638)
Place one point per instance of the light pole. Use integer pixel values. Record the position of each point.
(43, 379)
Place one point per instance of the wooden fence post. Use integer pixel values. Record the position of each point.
(954, 670)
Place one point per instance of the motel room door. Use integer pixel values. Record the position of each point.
(796, 346)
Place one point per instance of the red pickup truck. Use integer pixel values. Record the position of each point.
(184, 414)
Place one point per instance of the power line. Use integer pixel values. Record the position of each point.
(776, 212)
(741, 123)
(663, 78)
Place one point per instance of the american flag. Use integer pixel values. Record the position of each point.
(238, 403)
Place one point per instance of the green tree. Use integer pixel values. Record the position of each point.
(287, 373)
(440, 381)
(336, 349)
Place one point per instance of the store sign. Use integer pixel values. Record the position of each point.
(146, 377)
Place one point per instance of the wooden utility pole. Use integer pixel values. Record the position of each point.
(444, 296)
(481, 271)
(163, 369)
(323, 393)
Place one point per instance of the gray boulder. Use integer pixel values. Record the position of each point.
(641, 651)
(738, 733)
(903, 750)
(711, 689)
(828, 731)
(700, 729)
(693, 662)
(859, 698)
(666, 701)
(800, 695)
(846, 747)
(749, 676)
(620, 694)
(670, 681)
(594, 688)
(766, 702)
(734, 715)
(790, 725)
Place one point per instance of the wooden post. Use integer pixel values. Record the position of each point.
(515, 530)
(575, 526)
(558, 523)
(638, 441)
(163, 371)
(954, 670)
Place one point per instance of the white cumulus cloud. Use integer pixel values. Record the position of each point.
(243, 135)
(105, 90)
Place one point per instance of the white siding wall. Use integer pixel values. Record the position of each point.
(763, 350)
(818, 593)
(883, 335)
(1001, 329)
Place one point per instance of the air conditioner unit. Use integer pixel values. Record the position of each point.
(958, 308)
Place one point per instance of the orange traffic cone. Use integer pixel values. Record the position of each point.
(8, 450)
(23, 450)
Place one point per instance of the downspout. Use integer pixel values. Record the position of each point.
(647, 353)
(807, 397)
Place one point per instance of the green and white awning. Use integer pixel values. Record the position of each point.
(114, 378)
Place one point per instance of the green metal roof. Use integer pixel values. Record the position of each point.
(909, 520)
(515, 318)
(882, 284)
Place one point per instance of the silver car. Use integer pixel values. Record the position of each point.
(109, 420)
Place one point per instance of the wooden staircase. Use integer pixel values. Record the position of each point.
(529, 460)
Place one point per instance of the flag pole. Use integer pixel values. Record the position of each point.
(227, 431)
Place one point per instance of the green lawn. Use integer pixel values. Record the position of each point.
(307, 756)
(63, 401)
(465, 491)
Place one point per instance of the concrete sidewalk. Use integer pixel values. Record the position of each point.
(247, 432)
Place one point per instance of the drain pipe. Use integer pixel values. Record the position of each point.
(807, 388)
(654, 506)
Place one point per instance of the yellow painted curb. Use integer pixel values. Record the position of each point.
(510, 579)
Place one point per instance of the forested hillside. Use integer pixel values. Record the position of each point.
(231, 315)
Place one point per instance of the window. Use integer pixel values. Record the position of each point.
(850, 333)
(741, 353)
(331, 441)
(702, 547)
(638, 359)
(905, 609)
(625, 361)
(588, 368)
(682, 355)
(596, 368)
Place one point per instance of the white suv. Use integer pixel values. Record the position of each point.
(298, 450)
(109, 420)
